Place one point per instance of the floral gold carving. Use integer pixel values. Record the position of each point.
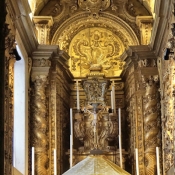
(96, 46)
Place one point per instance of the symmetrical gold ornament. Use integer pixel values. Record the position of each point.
(142, 99)
(94, 46)
(94, 125)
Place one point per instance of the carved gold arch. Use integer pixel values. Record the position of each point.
(90, 40)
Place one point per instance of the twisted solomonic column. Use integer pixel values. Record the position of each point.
(151, 125)
(39, 125)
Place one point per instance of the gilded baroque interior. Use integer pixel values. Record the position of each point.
(111, 62)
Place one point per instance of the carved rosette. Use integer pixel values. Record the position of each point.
(39, 124)
(151, 125)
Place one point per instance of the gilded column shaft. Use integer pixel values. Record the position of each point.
(151, 126)
(40, 125)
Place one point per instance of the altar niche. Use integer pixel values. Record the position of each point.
(95, 122)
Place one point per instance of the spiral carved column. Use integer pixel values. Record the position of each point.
(151, 125)
(40, 125)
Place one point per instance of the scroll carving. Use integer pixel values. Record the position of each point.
(39, 123)
(151, 124)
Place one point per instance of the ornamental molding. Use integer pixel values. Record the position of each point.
(65, 32)
(43, 25)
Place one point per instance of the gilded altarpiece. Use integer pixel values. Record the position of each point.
(143, 109)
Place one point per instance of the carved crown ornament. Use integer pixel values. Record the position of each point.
(94, 6)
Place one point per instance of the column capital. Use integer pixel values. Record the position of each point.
(145, 23)
(43, 25)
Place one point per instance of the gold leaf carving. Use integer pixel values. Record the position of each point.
(96, 46)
